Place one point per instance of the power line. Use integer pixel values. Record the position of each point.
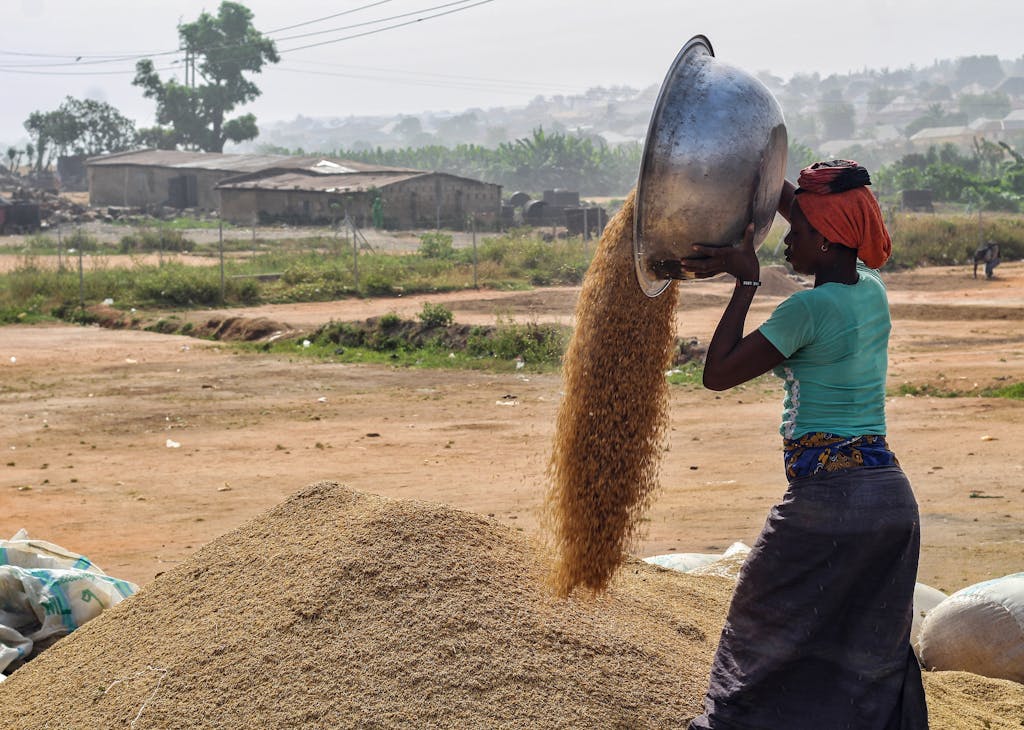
(327, 17)
(372, 22)
(17, 70)
(76, 57)
(79, 60)
(386, 28)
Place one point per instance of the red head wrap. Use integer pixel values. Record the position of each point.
(850, 217)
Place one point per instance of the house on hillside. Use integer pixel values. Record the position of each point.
(179, 179)
(1013, 87)
(1014, 121)
(388, 199)
(959, 136)
(901, 110)
(991, 129)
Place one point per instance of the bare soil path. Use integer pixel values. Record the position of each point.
(135, 448)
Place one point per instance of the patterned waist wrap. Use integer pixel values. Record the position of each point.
(818, 452)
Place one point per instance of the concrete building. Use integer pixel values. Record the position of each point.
(152, 178)
(263, 188)
(388, 199)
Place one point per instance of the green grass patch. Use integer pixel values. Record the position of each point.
(691, 373)
(182, 223)
(1014, 391)
(433, 343)
(321, 269)
(160, 239)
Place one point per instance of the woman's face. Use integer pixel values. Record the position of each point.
(803, 242)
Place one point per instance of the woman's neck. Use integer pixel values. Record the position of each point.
(843, 271)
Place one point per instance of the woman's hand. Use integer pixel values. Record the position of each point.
(740, 261)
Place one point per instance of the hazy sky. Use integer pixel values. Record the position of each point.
(489, 53)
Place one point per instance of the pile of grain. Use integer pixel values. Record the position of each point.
(609, 434)
(338, 609)
(343, 610)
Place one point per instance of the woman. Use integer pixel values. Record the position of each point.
(818, 632)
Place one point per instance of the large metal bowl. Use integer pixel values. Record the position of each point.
(714, 159)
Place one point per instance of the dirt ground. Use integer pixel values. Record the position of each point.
(135, 448)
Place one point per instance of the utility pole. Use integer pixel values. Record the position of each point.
(190, 68)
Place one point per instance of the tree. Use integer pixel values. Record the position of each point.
(984, 70)
(798, 157)
(52, 133)
(78, 126)
(992, 105)
(222, 49)
(160, 138)
(936, 116)
(102, 128)
(837, 116)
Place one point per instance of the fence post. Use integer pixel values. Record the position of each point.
(81, 276)
(220, 245)
(355, 251)
(476, 285)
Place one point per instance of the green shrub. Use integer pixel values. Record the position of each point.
(377, 284)
(435, 315)
(436, 245)
(246, 291)
(179, 285)
(389, 320)
(163, 239)
(534, 343)
(81, 242)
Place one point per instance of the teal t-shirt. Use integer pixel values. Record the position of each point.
(835, 339)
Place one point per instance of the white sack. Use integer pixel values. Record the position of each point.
(978, 629)
(925, 599)
(47, 592)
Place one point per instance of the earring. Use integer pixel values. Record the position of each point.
(824, 248)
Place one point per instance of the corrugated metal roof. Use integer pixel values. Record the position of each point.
(238, 164)
(940, 132)
(354, 182)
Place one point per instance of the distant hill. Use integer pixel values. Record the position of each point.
(872, 114)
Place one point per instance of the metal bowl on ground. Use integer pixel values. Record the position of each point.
(714, 159)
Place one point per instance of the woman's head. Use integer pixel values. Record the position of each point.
(833, 199)
(808, 251)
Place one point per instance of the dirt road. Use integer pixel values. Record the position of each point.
(135, 448)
